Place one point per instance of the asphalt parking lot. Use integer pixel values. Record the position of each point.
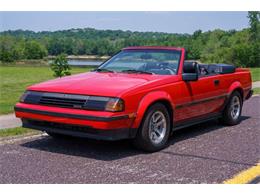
(206, 153)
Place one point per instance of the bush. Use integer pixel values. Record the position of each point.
(60, 66)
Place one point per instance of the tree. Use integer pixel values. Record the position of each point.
(34, 50)
(11, 49)
(241, 47)
(60, 66)
(254, 17)
(196, 34)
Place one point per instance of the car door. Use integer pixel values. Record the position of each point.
(203, 97)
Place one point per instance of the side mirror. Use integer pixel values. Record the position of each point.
(190, 71)
(189, 76)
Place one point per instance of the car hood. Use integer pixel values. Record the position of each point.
(93, 83)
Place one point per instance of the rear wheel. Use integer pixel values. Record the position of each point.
(154, 131)
(232, 112)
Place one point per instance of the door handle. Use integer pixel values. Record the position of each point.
(216, 82)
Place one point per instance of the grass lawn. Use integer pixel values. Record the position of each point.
(255, 74)
(15, 79)
(257, 90)
(16, 131)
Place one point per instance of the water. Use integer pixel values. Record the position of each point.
(84, 62)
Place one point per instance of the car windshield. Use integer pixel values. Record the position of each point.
(162, 62)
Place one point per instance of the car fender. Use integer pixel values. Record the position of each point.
(235, 85)
(148, 100)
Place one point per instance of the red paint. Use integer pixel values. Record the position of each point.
(139, 91)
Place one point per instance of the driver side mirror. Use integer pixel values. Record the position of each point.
(190, 71)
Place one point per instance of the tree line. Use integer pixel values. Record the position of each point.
(241, 48)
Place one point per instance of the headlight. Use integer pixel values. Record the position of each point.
(23, 97)
(104, 104)
(115, 105)
(31, 97)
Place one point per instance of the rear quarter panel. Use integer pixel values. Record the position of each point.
(240, 79)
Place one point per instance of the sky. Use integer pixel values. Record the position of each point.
(170, 22)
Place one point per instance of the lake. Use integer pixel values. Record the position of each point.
(85, 62)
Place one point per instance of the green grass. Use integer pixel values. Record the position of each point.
(257, 90)
(14, 80)
(16, 131)
(255, 74)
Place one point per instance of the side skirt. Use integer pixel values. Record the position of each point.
(191, 122)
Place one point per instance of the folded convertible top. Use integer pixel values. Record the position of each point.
(225, 68)
(218, 68)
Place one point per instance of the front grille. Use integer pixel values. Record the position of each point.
(63, 100)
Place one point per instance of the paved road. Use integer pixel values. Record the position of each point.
(207, 153)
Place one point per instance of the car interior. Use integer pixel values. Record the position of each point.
(208, 69)
(162, 68)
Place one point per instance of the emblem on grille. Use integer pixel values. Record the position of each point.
(77, 106)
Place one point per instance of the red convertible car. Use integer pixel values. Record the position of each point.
(141, 93)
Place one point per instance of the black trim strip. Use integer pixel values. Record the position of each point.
(75, 116)
(197, 120)
(200, 101)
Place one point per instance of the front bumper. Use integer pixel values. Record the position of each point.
(80, 123)
(80, 131)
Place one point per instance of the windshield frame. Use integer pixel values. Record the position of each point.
(177, 51)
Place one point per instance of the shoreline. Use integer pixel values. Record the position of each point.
(82, 57)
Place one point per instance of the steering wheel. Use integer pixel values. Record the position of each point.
(166, 66)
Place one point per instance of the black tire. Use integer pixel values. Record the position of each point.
(227, 118)
(143, 140)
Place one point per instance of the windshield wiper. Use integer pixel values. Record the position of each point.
(103, 70)
(136, 71)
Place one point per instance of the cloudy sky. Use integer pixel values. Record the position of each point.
(172, 22)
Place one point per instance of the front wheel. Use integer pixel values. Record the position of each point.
(232, 112)
(154, 131)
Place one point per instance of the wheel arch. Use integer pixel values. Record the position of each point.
(240, 91)
(151, 99)
(236, 86)
(226, 116)
(167, 105)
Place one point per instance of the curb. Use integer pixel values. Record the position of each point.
(13, 139)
